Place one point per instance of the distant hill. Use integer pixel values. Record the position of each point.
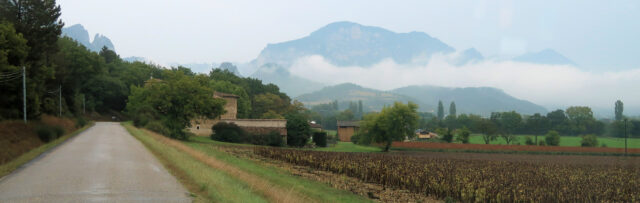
(373, 100)
(81, 35)
(347, 44)
(290, 84)
(467, 56)
(476, 100)
(546, 56)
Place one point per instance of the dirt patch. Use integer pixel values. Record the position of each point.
(373, 191)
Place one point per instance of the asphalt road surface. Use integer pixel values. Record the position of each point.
(103, 164)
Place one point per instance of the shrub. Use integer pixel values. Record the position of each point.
(541, 143)
(157, 127)
(58, 130)
(552, 138)
(45, 133)
(355, 138)
(228, 132)
(463, 135)
(603, 145)
(447, 136)
(80, 122)
(589, 141)
(529, 141)
(271, 139)
(320, 138)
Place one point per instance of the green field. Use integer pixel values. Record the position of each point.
(569, 141)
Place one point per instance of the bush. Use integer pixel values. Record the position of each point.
(355, 138)
(58, 130)
(552, 138)
(603, 145)
(271, 139)
(529, 141)
(140, 121)
(541, 143)
(45, 133)
(80, 122)
(157, 127)
(589, 141)
(228, 132)
(447, 136)
(320, 138)
(463, 135)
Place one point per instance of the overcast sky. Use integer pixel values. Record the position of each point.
(597, 35)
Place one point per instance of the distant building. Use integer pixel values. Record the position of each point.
(315, 126)
(346, 129)
(425, 135)
(202, 127)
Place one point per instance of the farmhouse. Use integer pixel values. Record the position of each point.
(346, 129)
(425, 135)
(202, 127)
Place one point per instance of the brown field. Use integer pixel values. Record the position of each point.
(481, 177)
(527, 148)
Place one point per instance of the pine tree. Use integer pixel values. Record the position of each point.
(619, 110)
(452, 109)
(440, 110)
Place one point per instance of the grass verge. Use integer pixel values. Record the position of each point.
(12, 165)
(205, 183)
(310, 189)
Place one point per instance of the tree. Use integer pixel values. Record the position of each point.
(440, 110)
(579, 118)
(451, 122)
(488, 130)
(558, 121)
(452, 109)
(552, 138)
(391, 124)
(508, 123)
(463, 135)
(37, 21)
(619, 110)
(537, 124)
(298, 129)
(13, 53)
(617, 128)
(177, 100)
(244, 102)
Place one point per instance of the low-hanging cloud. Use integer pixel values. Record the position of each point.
(549, 85)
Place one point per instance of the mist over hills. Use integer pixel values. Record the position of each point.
(372, 99)
(476, 100)
(81, 35)
(288, 83)
(546, 56)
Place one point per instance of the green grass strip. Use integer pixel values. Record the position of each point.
(315, 190)
(212, 185)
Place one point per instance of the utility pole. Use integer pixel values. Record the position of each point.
(625, 137)
(60, 101)
(83, 106)
(24, 94)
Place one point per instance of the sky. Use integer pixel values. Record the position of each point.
(601, 37)
(597, 35)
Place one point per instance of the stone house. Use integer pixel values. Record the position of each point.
(202, 127)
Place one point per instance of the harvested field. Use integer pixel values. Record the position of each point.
(527, 148)
(481, 178)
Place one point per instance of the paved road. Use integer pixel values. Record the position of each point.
(103, 164)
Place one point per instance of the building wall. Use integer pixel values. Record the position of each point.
(252, 126)
(345, 133)
(231, 107)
